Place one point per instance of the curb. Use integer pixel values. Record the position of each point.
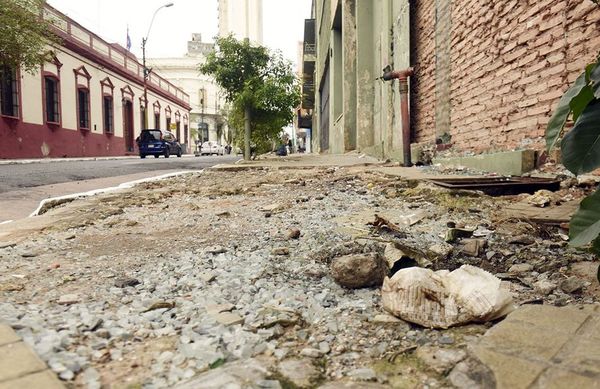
(47, 204)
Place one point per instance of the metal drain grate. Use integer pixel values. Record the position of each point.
(499, 186)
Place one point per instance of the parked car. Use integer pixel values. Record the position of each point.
(210, 148)
(158, 142)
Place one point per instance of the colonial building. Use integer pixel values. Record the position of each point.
(207, 116)
(487, 75)
(87, 101)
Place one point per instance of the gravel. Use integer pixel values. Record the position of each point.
(203, 280)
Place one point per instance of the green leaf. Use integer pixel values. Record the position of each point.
(218, 363)
(596, 246)
(559, 118)
(595, 80)
(585, 224)
(581, 101)
(581, 146)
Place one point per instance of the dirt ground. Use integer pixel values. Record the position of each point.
(227, 237)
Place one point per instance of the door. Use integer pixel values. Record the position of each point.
(324, 112)
(128, 125)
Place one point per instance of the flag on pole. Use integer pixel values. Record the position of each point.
(128, 40)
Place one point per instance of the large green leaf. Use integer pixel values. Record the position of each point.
(581, 146)
(559, 118)
(579, 103)
(585, 224)
(594, 76)
(596, 246)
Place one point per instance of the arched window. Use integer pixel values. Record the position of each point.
(168, 116)
(108, 106)
(82, 84)
(9, 91)
(51, 91)
(156, 106)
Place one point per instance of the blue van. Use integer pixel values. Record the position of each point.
(158, 142)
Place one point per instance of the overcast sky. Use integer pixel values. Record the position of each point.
(173, 26)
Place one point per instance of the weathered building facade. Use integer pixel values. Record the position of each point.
(207, 115)
(87, 101)
(487, 75)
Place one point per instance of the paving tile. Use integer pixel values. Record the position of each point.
(17, 360)
(567, 319)
(41, 380)
(7, 335)
(514, 338)
(510, 372)
(544, 347)
(580, 355)
(560, 379)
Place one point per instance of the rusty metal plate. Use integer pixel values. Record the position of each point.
(499, 186)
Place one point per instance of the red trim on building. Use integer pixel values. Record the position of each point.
(25, 140)
(104, 62)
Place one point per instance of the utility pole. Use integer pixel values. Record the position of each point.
(146, 70)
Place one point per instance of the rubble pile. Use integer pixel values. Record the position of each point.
(272, 277)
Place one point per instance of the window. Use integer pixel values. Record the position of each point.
(9, 92)
(156, 107)
(82, 82)
(52, 97)
(168, 116)
(83, 108)
(108, 110)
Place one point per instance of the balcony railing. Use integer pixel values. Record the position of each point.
(310, 49)
(119, 57)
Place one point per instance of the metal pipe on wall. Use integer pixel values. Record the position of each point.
(402, 76)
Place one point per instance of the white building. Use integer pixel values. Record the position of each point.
(87, 101)
(242, 18)
(207, 103)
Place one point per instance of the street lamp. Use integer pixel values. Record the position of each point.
(146, 70)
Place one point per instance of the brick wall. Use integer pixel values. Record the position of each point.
(423, 57)
(511, 60)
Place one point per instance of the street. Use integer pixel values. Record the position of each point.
(19, 176)
(23, 186)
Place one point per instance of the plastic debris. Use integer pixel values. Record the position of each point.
(444, 299)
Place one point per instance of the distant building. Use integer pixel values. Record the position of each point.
(242, 18)
(87, 101)
(207, 116)
(487, 75)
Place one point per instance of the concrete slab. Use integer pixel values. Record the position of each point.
(547, 215)
(512, 163)
(20, 367)
(544, 346)
(17, 360)
(299, 161)
(42, 380)
(7, 335)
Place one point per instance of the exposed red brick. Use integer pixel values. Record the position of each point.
(511, 60)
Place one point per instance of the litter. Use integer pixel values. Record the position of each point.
(444, 299)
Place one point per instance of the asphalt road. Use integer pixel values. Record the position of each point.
(15, 177)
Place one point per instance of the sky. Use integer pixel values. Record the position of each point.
(173, 26)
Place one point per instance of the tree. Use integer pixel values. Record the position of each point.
(259, 85)
(580, 149)
(24, 34)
